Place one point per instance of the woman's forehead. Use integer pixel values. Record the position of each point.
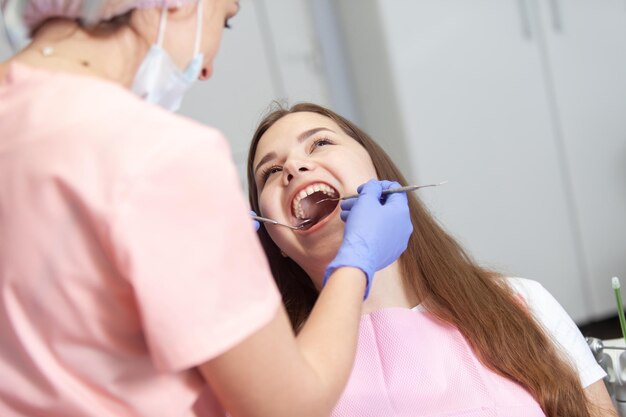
(286, 130)
(296, 123)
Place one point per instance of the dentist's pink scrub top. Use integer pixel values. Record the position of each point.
(127, 256)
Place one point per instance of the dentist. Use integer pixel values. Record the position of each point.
(131, 281)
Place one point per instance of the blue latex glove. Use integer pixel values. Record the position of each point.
(377, 232)
(255, 223)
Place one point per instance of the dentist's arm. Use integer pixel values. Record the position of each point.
(272, 373)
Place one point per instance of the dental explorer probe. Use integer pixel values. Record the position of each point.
(271, 221)
(385, 192)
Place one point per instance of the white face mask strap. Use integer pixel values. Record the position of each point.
(90, 11)
(199, 15)
(162, 25)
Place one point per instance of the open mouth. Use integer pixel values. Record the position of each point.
(306, 204)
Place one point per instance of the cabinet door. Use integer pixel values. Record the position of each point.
(469, 86)
(585, 43)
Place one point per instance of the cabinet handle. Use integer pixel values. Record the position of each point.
(527, 31)
(555, 11)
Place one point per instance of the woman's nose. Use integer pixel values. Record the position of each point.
(293, 168)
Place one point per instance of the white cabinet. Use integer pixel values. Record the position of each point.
(585, 55)
(482, 103)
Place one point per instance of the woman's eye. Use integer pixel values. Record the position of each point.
(321, 142)
(269, 171)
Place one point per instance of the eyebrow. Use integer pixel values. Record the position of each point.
(301, 138)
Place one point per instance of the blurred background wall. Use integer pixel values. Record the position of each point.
(519, 104)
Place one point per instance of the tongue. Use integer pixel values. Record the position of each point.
(317, 211)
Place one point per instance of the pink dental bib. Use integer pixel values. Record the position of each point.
(408, 364)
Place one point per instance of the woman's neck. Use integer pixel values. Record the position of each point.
(388, 290)
(64, 46)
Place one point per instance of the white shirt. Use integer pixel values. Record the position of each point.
(560, 328)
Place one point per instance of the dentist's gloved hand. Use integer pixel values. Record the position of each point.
(377, 232)
(255, 223)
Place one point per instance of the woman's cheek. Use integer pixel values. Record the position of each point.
(269, 205)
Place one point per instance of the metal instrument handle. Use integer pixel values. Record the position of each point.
(393, 190)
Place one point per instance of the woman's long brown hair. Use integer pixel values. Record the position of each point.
(452, 287)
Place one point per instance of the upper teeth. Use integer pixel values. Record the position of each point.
(297, 209)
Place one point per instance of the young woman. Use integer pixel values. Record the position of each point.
(131, 282)
(440, 335)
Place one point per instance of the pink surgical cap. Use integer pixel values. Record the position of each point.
(37, 11)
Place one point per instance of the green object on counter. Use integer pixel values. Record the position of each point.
(620, 307)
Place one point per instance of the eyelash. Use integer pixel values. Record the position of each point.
(324, 140)
(267, 172)
(227, 25)
(274, 168)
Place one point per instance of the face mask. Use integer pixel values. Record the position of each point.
(159, 80)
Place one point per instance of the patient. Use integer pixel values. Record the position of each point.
(439, 335)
